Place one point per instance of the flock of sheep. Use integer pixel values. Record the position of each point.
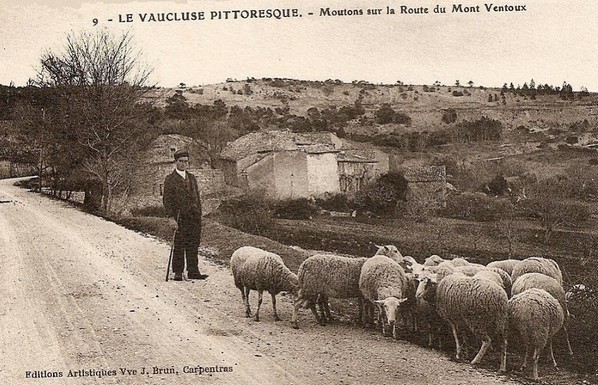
(525, 296)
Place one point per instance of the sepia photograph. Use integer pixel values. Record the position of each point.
(279, 192)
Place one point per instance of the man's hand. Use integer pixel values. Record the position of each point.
(174, 223)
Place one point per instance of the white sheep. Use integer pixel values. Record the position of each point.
(505, 264)
(410, 265)
(478, 303)
(537, 316)
(499, 276)
(459, 261)
(433, 260)
(545, 266)
(391, 252)
(550, 285)
(257, 269)
(324, 276)
(382, 282)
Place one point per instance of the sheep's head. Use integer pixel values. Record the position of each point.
(292, 283)
(390, 306)
(433, 260)
(391, 252)
(427, 287)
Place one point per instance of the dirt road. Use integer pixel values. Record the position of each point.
(84, 302)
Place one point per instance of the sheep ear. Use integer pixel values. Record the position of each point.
(401, 300)
(379, 301)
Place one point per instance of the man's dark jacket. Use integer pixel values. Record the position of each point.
(181, 197)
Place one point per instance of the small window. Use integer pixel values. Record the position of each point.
(161, 189)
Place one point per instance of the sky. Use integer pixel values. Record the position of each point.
(550, 41)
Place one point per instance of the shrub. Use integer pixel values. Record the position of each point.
(250, 213)
(479, 130)
(449, 115)
(337, 202)
(583, 326)
(385, 114)
(381, 197)
(475, 207)
(497, 186)
(149, 211)
(301, 208)
(547, 202)
(402, 118)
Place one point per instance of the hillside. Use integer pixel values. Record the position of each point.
(537, 125)
(420, 100)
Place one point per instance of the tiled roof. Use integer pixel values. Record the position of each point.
(356, 156)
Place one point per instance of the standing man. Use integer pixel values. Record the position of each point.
(183, 203)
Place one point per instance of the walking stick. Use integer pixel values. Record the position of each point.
(172, 246)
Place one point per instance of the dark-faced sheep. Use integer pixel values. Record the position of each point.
(257, 269)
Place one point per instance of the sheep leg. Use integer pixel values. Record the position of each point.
(260, 297)
(294, 323)
(360, 302)
(552, 355)
(242, 289)
(457, 344)
(535, 358)
(372, 311)
(312, 306)
(326, 308)
(276, 317)
(524, 365)
(322, 317)
(246, 292)
(368, 310)
(430, 342)
(567, 339)
(486, 341)
(503, 356)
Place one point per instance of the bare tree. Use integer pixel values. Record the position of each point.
(99, 79)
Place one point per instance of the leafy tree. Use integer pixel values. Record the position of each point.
(449, 115)
(177, 106)
(385, 114)
(383, 195)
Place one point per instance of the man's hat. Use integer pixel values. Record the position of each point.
(181, 153)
